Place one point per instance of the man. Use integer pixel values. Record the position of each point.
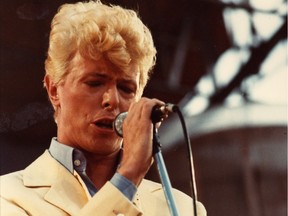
(98, 64)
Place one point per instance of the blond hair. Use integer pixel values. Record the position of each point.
(97, 31)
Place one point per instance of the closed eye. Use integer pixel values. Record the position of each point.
(127, 89)
(93, 83)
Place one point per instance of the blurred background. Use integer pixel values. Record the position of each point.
(223, 62)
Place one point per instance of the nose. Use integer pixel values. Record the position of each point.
(110, 99)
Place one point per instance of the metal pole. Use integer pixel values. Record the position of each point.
(163, 174)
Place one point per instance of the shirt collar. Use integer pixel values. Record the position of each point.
(71, 158)
(62, 153)
(68, 156)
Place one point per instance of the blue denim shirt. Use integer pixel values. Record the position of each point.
(73, 159)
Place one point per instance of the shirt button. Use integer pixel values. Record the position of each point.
(77, 162)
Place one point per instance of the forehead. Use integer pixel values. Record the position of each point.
(80, 66)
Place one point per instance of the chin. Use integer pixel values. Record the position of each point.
(105, 144)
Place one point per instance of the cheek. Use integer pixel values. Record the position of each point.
(124, 106)
(68, 100)
(71, 104)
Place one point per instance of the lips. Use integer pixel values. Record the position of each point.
(105, 123)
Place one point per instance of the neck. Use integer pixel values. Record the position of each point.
(100, 169)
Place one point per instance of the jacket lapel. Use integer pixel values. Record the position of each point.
(65, 191)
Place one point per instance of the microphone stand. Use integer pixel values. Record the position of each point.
(163, 173)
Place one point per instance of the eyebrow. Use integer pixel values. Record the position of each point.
(107, 77)
(98, 74)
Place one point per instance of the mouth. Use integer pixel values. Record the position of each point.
(104, 124)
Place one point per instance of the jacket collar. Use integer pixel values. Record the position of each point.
(64, 187)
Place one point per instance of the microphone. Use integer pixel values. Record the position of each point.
(158, 113)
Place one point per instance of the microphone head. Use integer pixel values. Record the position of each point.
(118, 123)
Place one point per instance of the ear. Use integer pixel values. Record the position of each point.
(51, 88)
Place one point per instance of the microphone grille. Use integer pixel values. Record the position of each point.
(118, 123)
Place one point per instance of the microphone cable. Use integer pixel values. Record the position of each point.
(189, 150)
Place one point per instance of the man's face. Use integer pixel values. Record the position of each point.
(90, 97)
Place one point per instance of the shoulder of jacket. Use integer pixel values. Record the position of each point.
(149, 185)
(13, 176)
